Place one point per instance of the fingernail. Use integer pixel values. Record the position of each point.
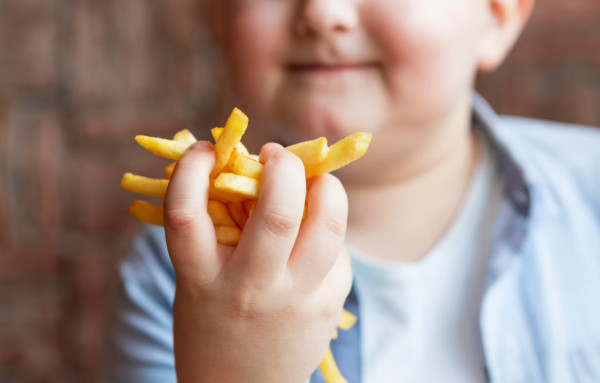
(273, 145)
(267, 148)
(203, 146)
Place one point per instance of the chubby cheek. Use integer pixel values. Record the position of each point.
(255, 47)
(429, 53)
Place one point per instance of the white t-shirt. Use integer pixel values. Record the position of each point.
(420, 321)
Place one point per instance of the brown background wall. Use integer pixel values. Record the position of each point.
(78, 78)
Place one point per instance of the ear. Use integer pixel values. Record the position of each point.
(507, 18)
(216, 13)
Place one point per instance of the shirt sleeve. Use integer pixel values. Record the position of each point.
(140, 343)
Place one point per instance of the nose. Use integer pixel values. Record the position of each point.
(325, 17)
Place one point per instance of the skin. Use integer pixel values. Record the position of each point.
(400, 69)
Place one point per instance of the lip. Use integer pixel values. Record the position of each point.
(319, 68)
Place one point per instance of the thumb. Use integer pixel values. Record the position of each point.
(189, 231)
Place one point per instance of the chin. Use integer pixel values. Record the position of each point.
(331, 121)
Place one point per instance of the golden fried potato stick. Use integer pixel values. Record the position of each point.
(223, 195)
(169, 170)
(230, 137)
(227, 235)
(216, 133)
(330, 370)
(311, 152)
(144, 185)
(219, 214)
(348, 320)
(341, 153)
(236, 209)
(170, 149)
(249, 206)
(244, 165)
(238, 185)
(229, 167)
(185, 136)
(328, 367)
(147, 213)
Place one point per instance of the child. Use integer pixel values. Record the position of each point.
(474, 239)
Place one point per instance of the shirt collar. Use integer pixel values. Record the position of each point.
(516, 189)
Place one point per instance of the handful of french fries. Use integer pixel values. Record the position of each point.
(235, 185)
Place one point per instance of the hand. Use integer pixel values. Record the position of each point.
(265, 310)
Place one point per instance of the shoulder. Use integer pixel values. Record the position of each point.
(147, 275)
(575, 141)
(559, 253)
(560, 159)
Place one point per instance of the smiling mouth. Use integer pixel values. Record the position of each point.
(329, 69)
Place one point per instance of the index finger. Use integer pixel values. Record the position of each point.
(270, 233)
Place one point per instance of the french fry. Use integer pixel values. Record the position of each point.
(329, 369)
(229, 167)
(244, 165)
(223, 196)
(216, 133)
(144, 185)
(230, 137)
(227, 235)
(341, 154)
(219, 214)
(239, 185)
(147, 213)
(249, 207)
(310, 152)
(169, 170)
(170, 149)
(185, 136)
(236, 209)
(348, 320)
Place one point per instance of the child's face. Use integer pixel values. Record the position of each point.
(307, 68)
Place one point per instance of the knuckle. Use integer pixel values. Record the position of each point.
(346, 273)
(335, 226)
(332, 312)
(347, 282)
(280, 222)
(245, 305)
(178, 218)
(339, 280)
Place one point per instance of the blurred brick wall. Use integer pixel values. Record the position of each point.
(78, 78)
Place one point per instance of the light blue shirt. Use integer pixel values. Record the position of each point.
(540, 314)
